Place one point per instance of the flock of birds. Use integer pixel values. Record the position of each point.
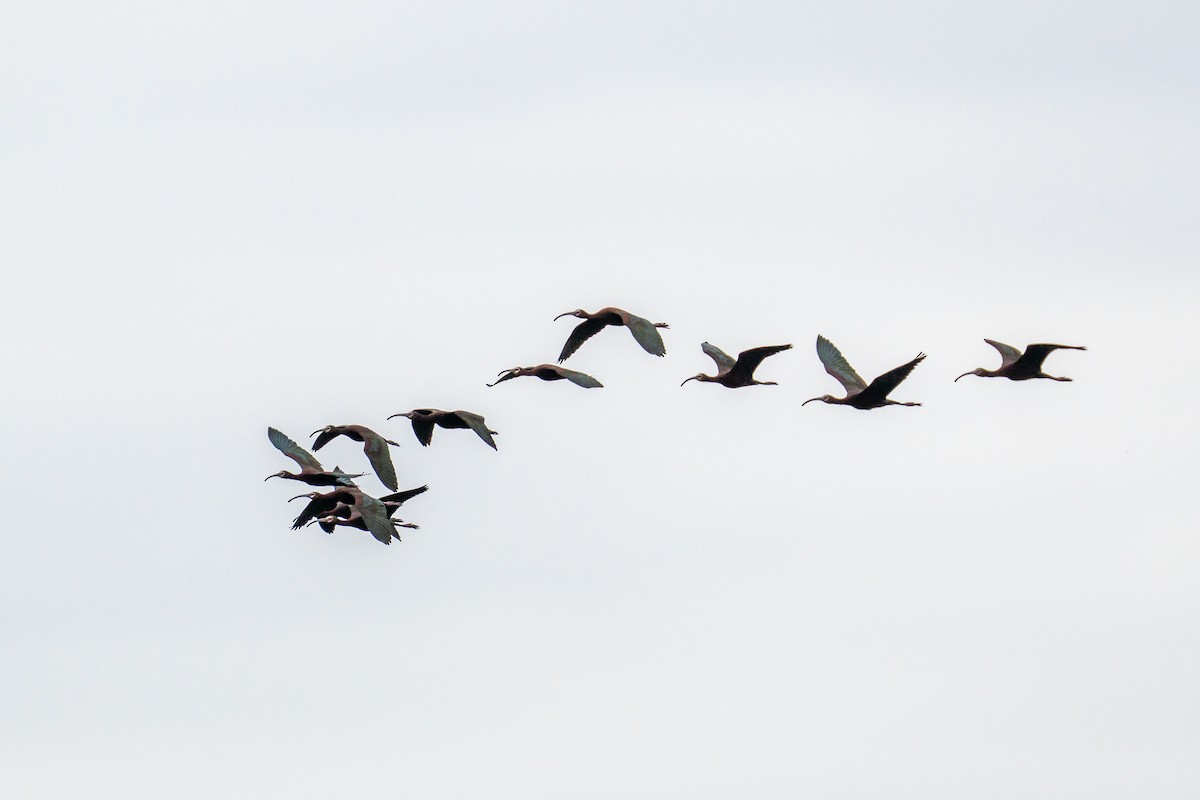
(345, 504)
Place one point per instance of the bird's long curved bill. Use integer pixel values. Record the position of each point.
(965, 374)
(689, 379)
(269, 477)
(806, 402)
(564, 314)
(297, 497)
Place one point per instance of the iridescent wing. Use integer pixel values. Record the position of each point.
(724, 362)
(579, 378)
(748, 360)
(1008, 353)
(476, 423)
(837, 366)
(380, 457)
(375, 516)
(882, 386)
(423, 428)
(646, 334)
(325, 438)
(399, 498)
(1035, 354)
(295, 452)
(583, 331)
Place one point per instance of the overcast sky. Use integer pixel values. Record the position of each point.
(227, 215)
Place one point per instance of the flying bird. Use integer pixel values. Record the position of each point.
(322, 504)
(643, 330)
(739, 372)
(550, 372)
(353, 518)
(374, 445)
(311, 471)
(370, 511)
(423, 420)
(1018, 366)
(858, 393)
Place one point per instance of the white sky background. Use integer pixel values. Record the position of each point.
(227, 216)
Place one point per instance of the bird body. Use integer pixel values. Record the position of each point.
(323, 504)
(370, 510)
(1018, 366)
(550, 372)
(643, 330)
(374, 445)
(311, 471)
(423, 420)
(859, 394)
(739, 372)
(352, 518)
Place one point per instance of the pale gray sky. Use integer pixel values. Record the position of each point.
(224, 216)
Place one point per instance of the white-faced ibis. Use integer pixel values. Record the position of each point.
(643, 330)
(550, 372)
(374, 445)
(423, 420)
(311, 471)
(323, 504)
(355, 519)
(370, 511)
(1018, 366)
(858, 393)
(735, 374)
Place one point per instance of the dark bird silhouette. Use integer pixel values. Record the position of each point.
(735, 374)
(643, 330)
(1018, 366)
(322, 504)
(374, 445)
(353, 518)
(423, 420)
(311, 471)
(858, 393)
(550, 372)
(371, 510)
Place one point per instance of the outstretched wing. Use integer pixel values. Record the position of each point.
(748, 360)
(583, 331)
(476, 423)
(400, 498)
(381, 458)
(295, 452)
(837, 366)
(423, 428)
(325, 438)
(579, 378)
(724, 362)
(375, 517)
(1008, 353)
(317, 507)
(882, 386)
(646, 334)
(1035, 354)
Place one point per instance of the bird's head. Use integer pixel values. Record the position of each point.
(326, 429)
(825, 398)
(579, 312)
(699, 376)
(979, 371)
(283, 473)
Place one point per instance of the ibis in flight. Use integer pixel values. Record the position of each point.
(1018, 366)
(858, 394)
(643, 330)
(739, 372)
